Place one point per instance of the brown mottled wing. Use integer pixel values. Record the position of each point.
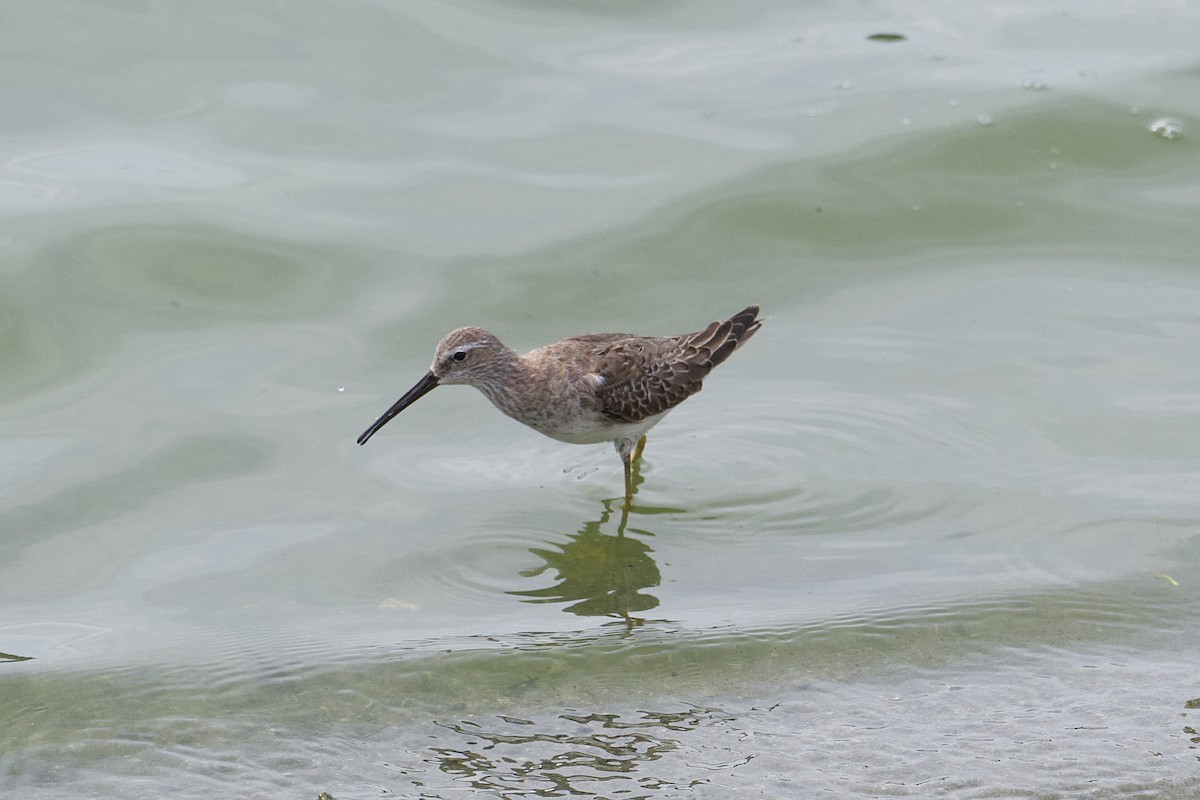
(646, 376)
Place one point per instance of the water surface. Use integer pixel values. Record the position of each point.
(935, 531)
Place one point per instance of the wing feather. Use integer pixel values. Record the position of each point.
(641, 377)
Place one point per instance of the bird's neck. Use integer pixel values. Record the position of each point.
(508, 379)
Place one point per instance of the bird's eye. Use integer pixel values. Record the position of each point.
(459, 355)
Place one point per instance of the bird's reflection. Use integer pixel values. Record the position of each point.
(601, 573)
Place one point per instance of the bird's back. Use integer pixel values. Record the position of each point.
(637, 377)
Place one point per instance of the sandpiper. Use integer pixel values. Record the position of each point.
(598, 387)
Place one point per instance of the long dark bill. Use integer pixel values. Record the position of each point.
(423, 387)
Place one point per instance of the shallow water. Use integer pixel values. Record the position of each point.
(935, 531)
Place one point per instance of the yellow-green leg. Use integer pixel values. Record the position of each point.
(627, 460)
(637, 451)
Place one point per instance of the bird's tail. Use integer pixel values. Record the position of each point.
(732, 334)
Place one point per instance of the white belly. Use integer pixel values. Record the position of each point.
(583, 431)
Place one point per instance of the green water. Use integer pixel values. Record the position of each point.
(933, 532)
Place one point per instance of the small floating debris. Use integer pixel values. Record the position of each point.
(393, 604)
(1167, 128)
(1166, 578)
(887, 37)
